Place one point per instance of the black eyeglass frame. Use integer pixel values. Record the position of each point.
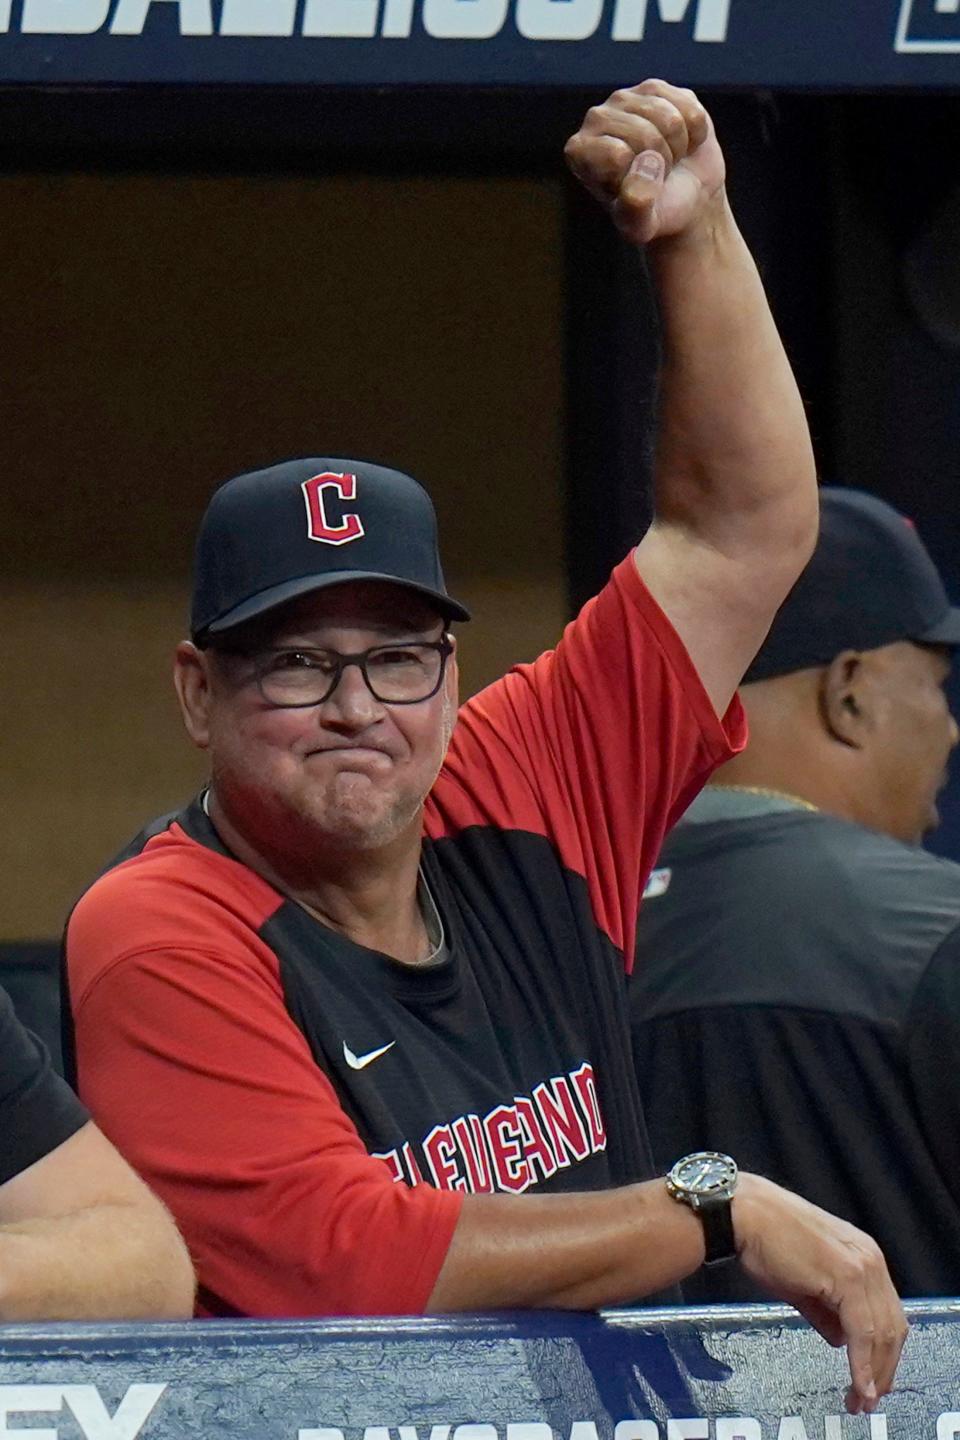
(443, 647)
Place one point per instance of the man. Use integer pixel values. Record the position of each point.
(798, 983)
(80, 1236)
(364, 960)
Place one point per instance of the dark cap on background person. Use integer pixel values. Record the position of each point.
(870, 582)
(272, 535)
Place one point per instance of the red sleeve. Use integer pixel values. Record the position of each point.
(191, 1064)
(600, 745)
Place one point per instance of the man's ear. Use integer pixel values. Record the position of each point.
(845, 699)
(191, 679)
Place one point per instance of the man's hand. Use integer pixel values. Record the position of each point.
(650, 155)
(833, 1273)
(610, 1247)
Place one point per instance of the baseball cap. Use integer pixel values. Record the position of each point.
(272, 535)
(870, 582)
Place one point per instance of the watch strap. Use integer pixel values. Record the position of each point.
(716, 1213)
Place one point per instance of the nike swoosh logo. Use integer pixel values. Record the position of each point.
(360, 1062)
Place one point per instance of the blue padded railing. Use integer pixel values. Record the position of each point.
(710, 1374)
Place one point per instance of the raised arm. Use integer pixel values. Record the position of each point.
(736, 515)
(735, 501)
(82, 1238)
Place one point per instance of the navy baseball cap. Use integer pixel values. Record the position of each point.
(869, 582)
(272, 535)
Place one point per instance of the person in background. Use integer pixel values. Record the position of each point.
(379, 950)
(797, 992)
(81, 1237)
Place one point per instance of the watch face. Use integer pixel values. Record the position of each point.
(705, 1173)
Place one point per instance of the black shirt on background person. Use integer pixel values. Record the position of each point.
(797, 993)
(38, 1110)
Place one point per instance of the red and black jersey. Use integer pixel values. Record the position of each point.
(312, 1111)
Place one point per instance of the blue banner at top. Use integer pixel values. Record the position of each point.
(862, 44)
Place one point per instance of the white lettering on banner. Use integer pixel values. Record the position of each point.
(29, 1400)
(922, 30)
(738, 1427)
(86, 1404)
(583, 1430)
(555, 20)
(63, 17)
(558, 19)
(356, 19)
(710, 25)
(258, 17)
(129, 18)
(397, 19)
(694, 1427)
(94, 1419)
(523, 1431)
(464, 19)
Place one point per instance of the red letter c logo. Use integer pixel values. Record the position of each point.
(318, 526)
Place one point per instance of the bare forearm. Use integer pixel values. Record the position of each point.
(733, 443)
(110, 1261)
(569, 1251)
(584, 1251)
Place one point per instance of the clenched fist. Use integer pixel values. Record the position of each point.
(651, 156)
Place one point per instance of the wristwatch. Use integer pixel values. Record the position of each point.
(707, 1182)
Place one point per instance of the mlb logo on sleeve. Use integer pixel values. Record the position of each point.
(658, 884)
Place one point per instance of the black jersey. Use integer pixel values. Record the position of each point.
(38, 1111)
(797, 1003)
(271, 1078)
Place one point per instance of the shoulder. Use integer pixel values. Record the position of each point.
(619, 682)
(801, 909)
(911, 893)
(805, 853)
(175, 893)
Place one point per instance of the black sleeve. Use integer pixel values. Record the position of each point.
(38, 1110)
(932, 1051)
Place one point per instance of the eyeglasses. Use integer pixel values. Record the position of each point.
(394, 674)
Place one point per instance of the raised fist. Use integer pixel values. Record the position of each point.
(651, 156)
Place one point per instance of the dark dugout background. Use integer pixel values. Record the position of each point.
(194, 282)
